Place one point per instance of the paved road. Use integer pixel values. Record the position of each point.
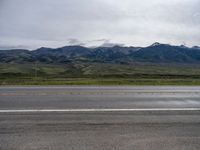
(154, 127)
(98, 97)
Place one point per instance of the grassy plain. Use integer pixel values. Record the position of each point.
(79, 73)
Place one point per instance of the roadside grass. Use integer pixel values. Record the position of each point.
(88, 81)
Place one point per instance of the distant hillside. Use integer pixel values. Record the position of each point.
(159, 53)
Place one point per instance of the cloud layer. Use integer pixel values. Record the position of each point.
(31, 24)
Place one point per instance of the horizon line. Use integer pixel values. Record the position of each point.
(91, 47)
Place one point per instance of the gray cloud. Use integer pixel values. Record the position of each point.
(111, 44)
(75, 42)
(91, 22)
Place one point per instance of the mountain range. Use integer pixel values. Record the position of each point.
(156, 53)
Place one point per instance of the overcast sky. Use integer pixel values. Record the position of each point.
(54, 23)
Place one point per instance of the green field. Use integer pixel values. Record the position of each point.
(79, 73)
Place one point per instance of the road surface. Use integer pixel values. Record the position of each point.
(99, 118)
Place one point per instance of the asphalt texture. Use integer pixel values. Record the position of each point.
(98, 130)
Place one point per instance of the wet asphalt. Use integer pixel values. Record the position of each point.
(127, 130)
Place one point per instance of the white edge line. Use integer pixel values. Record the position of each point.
(98, 110)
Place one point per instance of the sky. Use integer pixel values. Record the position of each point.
(32, 24)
